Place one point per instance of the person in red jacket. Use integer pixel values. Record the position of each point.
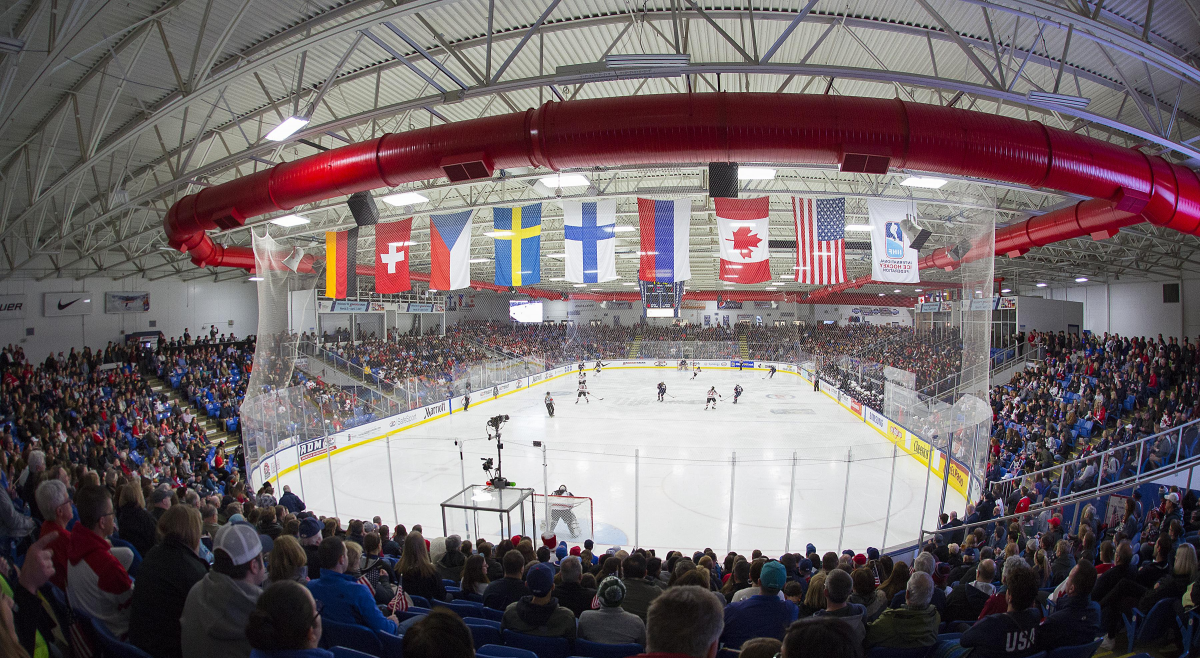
(97, 582)
(54, 501)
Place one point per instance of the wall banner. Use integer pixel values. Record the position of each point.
(58, 304)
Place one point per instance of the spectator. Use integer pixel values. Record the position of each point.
(287, 561)
(966, 600)
(208, 517)
(267, 524)
(756, 571)
(1076, 617)
(343, 599)
(439, 634)
(761, 615)
(310, 539)
(738, 579)
(54, 501)
(137, 525)
(417, 574)
(571, 594)
(1063, 563)
(450, 564)
(97, 583)
(610, 624)
(511, 588)
(820, 637)
(286, 623)
(218, 607)
(290, 501)
(925, 563)
(160, 502)
(538, 613)
(1122, 569)
(685, 621)
(760, 647)
(1012, 634)
(640, 590)
(475, 578)
(164, 580)
(866, 594)
(838, 585)
(913, 625)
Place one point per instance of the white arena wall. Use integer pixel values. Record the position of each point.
(1134, 308)
(174, 305)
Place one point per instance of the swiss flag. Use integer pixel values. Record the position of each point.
(743, 228)
(392, 242)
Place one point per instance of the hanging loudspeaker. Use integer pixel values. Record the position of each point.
(362, 206)
(723, 180)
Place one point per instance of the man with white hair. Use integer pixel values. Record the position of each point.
(290, 501)
(911, 626)
(54, 501)
(925, 563)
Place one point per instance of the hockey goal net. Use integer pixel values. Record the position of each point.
(570, 517)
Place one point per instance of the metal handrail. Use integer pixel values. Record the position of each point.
(1004, 487)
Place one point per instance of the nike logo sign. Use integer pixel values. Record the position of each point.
(61, 305)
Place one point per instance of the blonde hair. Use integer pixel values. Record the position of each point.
(182, 522)
(286, 559)
(132, 493)
(353, 556)
(815, 598)
(1185, 561)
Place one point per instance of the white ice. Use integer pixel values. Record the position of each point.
(686, 459)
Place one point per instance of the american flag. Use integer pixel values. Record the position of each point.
(820, 240)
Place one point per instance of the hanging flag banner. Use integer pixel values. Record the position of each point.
(666, 233)
(518, 243)
(450, 251)
(820, 240)
(892, 259)
(590, 240)
(742, 226)
(341, 262)
(392, 242)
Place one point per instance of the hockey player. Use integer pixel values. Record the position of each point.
(695, 369)
(772, 373)
(467, 399)
(682, 365)
(549, 404)
(662, 390)
(581, 366)
(599, 365)
(561, 510)
(583, 393)
(737, 393)
(712, 398)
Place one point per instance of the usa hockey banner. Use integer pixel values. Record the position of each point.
(518, 240)
(392, 242)
(450, 251)
(666, 233)
(742, 225)
(892, 259)
(590, 240)
(341, 262)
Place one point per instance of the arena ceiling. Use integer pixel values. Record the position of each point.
(112, 110)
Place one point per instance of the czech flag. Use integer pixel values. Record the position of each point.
(341, 260)
(666, 231)
(450, 251)
(518, 240)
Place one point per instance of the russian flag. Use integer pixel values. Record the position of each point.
(666, 231)
(450, 251)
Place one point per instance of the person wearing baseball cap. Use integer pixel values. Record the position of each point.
(610, 624)
(310, 538)
(219, 606)
(539, 613)
(761, 615)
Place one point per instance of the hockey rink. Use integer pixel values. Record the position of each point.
(663, 472)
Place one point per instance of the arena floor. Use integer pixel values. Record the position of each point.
(683, 471)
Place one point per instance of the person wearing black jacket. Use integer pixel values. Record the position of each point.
(966, 601)
(417, 574)
(1076, 618)
(570, 593)
(1121, 570)
(509, 589)
(166, 576)
(134, 523)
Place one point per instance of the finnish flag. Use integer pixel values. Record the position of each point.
(589, 235)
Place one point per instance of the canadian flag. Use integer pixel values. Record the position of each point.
(742, 225)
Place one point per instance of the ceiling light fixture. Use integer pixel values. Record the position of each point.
(558, 278)
(256, 278)
(927, 182)
(624, 229)
(404, 199)
(1006, 290)
(651, 61)
(1081, 279)
(564, 180)
(479, 260)
(858, 227)
(1042, 285)
(499, 234)
(289, 220)
(1074, 102)
(290, 126)
(756, 173)
(580, 285)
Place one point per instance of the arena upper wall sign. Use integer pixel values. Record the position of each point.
(299, 451)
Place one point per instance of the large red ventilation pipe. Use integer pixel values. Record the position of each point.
(858, 134)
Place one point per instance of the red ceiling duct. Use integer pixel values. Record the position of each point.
(854, 133)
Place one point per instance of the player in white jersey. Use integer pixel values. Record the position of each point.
(599, 365)
(695, 369)
(549, 404)
(582, 393)
(712, 398)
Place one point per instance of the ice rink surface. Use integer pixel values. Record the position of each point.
(676, 494)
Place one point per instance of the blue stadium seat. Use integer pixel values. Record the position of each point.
(544, 647)
(1079, 651)
(598, 650)
(497, 651)
(1144, 627)
(483, 631)
(359, 638)
(393, 645)
(420, 601)
(467, 609)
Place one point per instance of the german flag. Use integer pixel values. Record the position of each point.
(341, 274)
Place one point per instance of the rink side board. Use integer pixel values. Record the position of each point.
(270, 466)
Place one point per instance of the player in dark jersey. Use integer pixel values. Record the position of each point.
(662, 390)
(772, 375)
(737, 393)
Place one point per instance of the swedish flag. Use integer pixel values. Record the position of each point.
(518, 240)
